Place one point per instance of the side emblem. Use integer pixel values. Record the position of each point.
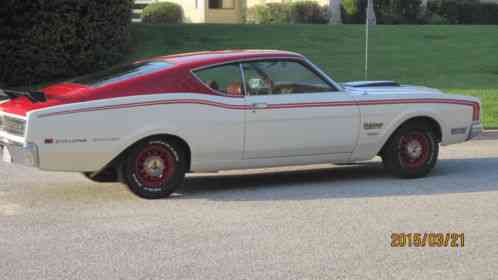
(372, 125)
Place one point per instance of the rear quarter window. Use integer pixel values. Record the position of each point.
(226, 79)
(121, 73)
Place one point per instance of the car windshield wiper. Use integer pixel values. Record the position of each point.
(34, 96)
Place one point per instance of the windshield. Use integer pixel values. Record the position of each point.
(121, 73)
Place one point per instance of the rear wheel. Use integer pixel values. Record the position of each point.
(154, 168)
(411, 152)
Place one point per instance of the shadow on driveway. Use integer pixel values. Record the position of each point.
(364, 180)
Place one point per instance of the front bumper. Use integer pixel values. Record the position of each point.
(475, 130)
(23, 154)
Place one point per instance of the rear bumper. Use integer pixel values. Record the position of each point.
(16, 153)
(475, 130)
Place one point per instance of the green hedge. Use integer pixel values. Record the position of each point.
(386, 11)
(162, 12)
(465, 11)
(43, 40)
(278, 13)
(309, 12)
(290, 12)
(410, 12)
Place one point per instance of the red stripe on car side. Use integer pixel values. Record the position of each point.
(474, 105)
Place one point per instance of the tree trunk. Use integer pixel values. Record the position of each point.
(335, 12)
(424, 6)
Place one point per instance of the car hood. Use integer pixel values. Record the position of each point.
(388, 88)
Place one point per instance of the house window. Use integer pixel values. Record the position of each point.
(221, 4)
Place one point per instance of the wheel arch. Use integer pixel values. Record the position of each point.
(115, 163)
(434, 125)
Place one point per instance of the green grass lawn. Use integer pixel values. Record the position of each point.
(457, 59)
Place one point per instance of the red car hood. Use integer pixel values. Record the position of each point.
(56, 95)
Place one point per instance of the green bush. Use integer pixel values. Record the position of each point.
(309, 12)
(352, 12)
(465, 11)
(398, 11)
(350, 6)
(436, 19)
(294, 12)
(162, 12)
(45, 40)
(386, 11)
(485, 13)
(269, 13)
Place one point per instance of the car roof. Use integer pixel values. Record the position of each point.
(206, 58)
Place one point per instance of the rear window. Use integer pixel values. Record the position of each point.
(121, 73)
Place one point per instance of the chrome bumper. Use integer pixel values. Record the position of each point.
(16, 153)
(475, 130)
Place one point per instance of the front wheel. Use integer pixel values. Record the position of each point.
(154, 168)
(411, 152)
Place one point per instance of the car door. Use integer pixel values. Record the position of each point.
(220, 132)
(295, 111)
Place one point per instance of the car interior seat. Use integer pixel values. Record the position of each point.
(234, 89)
(213, 84)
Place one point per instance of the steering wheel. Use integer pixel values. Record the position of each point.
(266, 78)
(269, 83)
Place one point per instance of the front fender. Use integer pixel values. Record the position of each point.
(371, 142)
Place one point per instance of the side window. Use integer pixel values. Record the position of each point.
(225, 78)
(282, 77)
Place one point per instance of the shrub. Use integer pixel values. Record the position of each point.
(352, 12)
(485, 13)
(162, 12)
(387, 11)
(436, 19)
(269, 13)
(410, 12)
(398, 11)
(309, 12)
(295, 12)
(465, 11)
(350, 6)
(45, 39)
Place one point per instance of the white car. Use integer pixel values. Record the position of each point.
(148, 123)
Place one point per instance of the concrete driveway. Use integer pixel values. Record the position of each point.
(321, 222)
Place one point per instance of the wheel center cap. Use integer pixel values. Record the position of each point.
(414, 149)
(154, 166)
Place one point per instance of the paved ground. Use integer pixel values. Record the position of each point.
(324, 223)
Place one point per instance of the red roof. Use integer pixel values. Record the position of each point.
(178, 79)
(199, 59)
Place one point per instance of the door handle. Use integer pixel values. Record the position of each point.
(256, 106)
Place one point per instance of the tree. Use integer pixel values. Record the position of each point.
(335, 12)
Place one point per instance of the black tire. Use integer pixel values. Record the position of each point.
(412, 151)
(155, 168)
(105, 176)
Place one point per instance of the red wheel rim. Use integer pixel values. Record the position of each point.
(155, 165)
(414, 149)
